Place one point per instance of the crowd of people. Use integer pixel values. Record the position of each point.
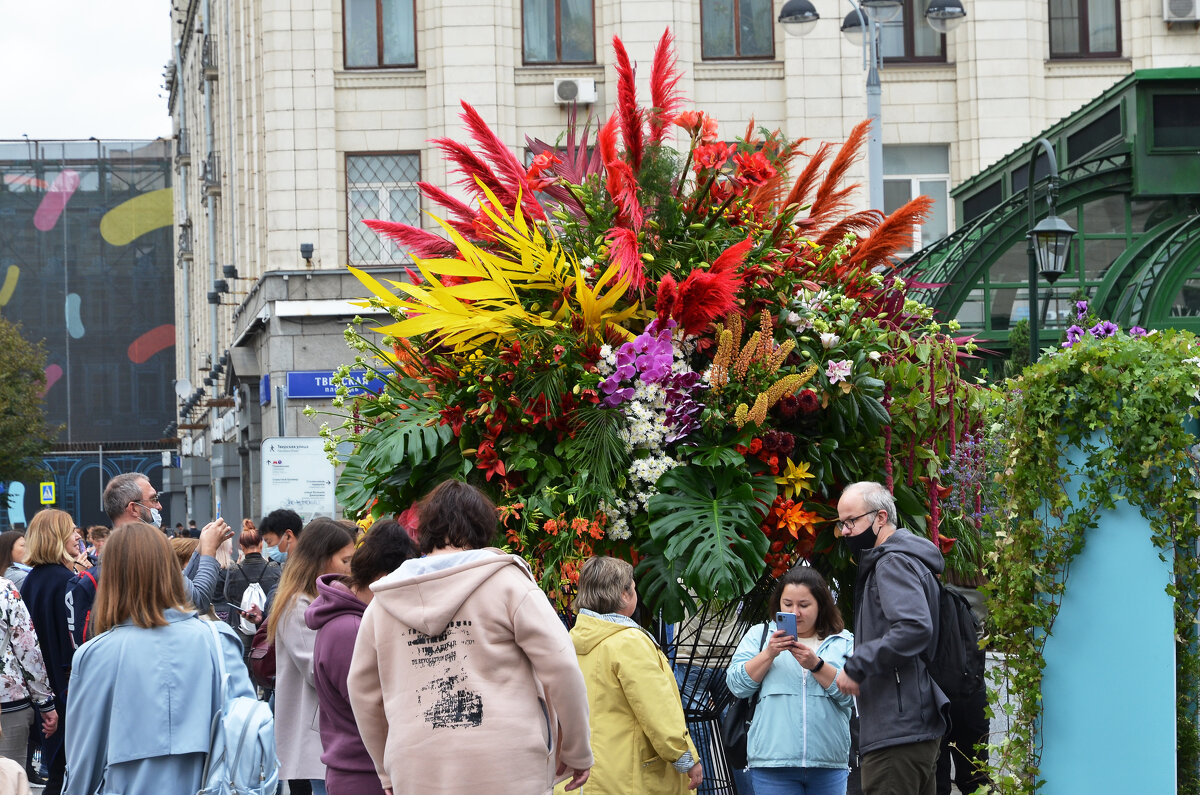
(434, 663)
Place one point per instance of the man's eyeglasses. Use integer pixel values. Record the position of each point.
(847, 524)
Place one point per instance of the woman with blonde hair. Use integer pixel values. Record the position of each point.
(325, 547)
(52, 549)
(145, 689)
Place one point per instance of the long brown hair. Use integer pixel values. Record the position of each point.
(320, 540)
(141, 579)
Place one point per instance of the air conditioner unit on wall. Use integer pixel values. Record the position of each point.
(581, 90)
(1181, 11)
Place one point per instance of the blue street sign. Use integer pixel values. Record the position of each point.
(308, 384)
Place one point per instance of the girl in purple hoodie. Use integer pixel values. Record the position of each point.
(335, 615)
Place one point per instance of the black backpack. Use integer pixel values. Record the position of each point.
(957, 663)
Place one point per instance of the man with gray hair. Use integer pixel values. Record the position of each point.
(132, 498)
(901, 710)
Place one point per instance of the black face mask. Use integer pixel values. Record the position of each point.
(863, 541)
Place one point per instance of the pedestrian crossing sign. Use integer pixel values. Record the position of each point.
(48, 493)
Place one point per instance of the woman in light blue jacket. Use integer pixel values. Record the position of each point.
(800, 739)
(144, 690)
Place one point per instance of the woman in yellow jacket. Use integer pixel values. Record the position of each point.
(639, 736)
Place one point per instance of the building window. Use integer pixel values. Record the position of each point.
(737, 29)
(384, 187)
(379, 33)
(909, 38)
(558, 31)
(1085, 29)
(919, 170)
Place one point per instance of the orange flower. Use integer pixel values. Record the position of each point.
(795, 519)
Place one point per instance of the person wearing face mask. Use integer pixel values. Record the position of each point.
(902, 712)
(131, 497)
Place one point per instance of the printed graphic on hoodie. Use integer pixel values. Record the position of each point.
(447, 701)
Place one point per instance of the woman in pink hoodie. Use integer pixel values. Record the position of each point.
(335, 615)
(464, 679)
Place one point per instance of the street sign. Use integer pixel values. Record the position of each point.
(296, 474)
(322, 384)
(47, 493)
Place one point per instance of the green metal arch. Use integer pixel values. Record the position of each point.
(1125, 271)
(1147, 300)
(958, 262)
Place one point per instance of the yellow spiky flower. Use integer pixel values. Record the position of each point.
(719, 375)
(775, 360)
(758, 412)
(488, 304)
(739, 415)
(748, 354)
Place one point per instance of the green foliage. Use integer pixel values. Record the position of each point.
(24, 435)
(704, 524)
(1129, 404)
(1018, 341)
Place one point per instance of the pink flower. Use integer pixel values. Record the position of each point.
(837, 371)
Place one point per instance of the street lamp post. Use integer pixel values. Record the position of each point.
(799, 17)
(1049, 241)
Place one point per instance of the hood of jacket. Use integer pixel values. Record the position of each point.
(334, 598)
(426, 593)
(904, 541)
(590, 631)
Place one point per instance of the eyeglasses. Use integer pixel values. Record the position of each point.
(848, 524)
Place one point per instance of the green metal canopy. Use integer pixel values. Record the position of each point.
(1129, 183)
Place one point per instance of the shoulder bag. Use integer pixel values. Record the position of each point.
(735, 723)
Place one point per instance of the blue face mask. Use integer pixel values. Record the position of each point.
(273, 553)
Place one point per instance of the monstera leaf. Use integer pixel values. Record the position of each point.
(704, 530)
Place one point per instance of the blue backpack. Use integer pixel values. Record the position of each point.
(241, 752)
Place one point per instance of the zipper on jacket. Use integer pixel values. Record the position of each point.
(899, 698)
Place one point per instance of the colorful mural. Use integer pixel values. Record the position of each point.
(86, 262)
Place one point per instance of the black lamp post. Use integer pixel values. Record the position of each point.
(1049, 240)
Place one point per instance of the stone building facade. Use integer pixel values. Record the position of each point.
(295, 119)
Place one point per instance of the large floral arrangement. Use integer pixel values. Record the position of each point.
(679, 356)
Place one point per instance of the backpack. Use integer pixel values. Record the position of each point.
(241, 751)
(262, 659)
(80, 596)
(957, 664)
(253, 596)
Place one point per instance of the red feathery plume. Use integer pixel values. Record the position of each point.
(505, 161)
(668, 294)
(732, 257)
(860, 223)
(621, 184)
(474, 170)
(664, 79)
(829, 198)
(623, 250)
(627, 106)
(808, 177)
(417, 241)
(705, 296)
(459, 209)
(895, 233)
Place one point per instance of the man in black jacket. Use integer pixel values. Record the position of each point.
(895, 630)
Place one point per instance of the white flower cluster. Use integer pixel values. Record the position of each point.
(645, 418)
(643, 474)
(607, 362)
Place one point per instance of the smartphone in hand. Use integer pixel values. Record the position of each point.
(786, 622)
